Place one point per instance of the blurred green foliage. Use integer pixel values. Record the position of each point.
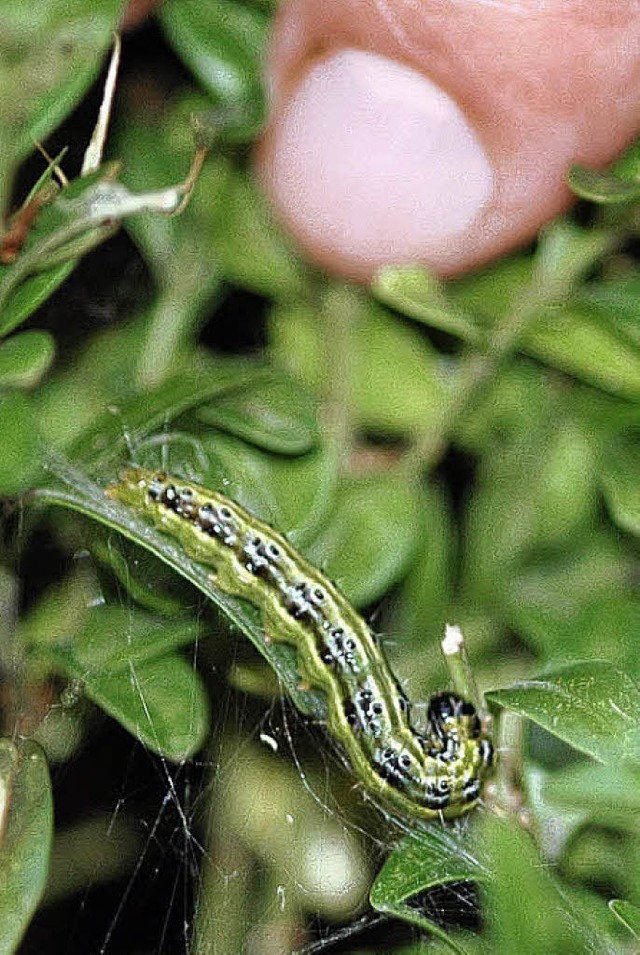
(463, 451)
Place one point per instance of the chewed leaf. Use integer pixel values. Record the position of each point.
(592, 706)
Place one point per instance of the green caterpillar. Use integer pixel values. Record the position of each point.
(438, 774)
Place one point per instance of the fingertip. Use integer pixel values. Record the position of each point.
(370, 161)
(441, 132)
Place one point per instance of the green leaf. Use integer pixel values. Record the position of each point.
(162, 702)
(223, 43)
(592, 706)
(74, 398)
(610, 795)
(422, 862)
(605, 188)
(577, 340)
(96, 849)
(276, 415)
(399, 379)
(25, 358)
(105, 444)
(49, 54)
(524, 911)
(616, 300)
(627, 166)
(26, 823)
(60, 611)
(85, 213)
(491, 293)
(514, 401)
(566, 253)
(29, 295)
(600, 617)
(571, 335)
(590, 908)
(71, 406)
(72, 224)
(370, 536)
(565, 485)
(19, 461)
(628, 914)
(272, 267)
(621, 481)
(292, 494)
(601, 854)
(537, 495)
(413, 291)
(396, 379)
(147, 580)
(117, 638)
(127, 666)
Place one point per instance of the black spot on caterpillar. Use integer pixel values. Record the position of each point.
(438, 773)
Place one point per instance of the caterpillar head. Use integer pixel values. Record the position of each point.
(452, 715)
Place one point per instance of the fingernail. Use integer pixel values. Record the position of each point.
(374, 161)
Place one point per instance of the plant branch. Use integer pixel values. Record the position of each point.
(558, 265)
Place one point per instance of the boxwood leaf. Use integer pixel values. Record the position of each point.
(161, 701)
(525, 911)
(276, 415)
(591, 705)
(620, 472)
(26, 821)
(25, 358)
(223, 43)
(370, 536)
(433, 858)
(19, 461)
(628, 914)
(605, 188)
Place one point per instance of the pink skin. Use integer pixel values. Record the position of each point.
(441, 131)
(136, 12)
